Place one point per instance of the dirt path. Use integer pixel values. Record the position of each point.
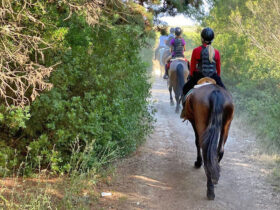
(160, 175)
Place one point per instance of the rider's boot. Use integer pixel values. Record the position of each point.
(165, 76)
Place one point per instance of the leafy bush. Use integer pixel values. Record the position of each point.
(98, 105)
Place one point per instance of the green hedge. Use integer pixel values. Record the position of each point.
(98, 108)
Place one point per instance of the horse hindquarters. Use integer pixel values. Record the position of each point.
(180, 84)
(210, 141)
(180, 79)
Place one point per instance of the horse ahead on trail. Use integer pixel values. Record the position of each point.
(210, 110)
(164, 54)
(178, 74)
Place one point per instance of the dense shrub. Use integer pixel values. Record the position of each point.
(98, 107)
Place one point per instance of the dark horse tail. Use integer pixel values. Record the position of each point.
(180, 79)
(211, 135)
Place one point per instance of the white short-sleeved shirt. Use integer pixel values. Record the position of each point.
(162, 40)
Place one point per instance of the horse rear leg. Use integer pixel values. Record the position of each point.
(222, 141)
(224, 133)
(198, 162)
(210, 180)
(171, 98)
(210, 187)
(177, 97)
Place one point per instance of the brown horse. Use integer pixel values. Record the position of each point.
(210, 110)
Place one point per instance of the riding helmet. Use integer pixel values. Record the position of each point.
(172, 30)
(178, 31)
(207, 34)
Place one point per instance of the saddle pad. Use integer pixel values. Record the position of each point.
(174, 59)
(201, 85)
(187, 95)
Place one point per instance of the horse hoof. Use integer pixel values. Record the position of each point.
(215, 181)
(197, 164)
(171, 103)
(220, 156)
(210, 195)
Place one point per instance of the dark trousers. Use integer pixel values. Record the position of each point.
(197, 76)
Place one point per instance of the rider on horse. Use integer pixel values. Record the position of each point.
(205, 62)
(170, 36)
(162, 40)
(178, 46)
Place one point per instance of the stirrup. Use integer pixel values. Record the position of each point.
(165, 76)
(183, 113)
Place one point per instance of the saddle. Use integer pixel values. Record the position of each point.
(205, 81)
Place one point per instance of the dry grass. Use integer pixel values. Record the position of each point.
(64, 192)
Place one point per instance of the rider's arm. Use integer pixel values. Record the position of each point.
(218, 62)
(194, 60)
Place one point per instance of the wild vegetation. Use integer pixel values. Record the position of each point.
(98, 104)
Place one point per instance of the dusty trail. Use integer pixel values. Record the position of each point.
(160, 175)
